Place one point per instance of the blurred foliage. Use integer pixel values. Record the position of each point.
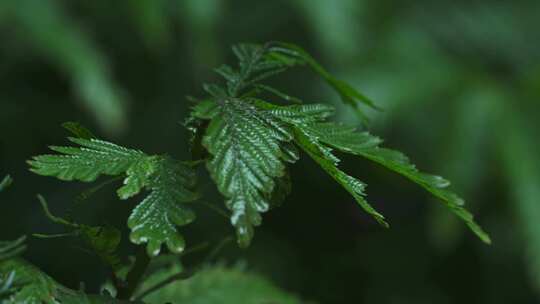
(6, 182)
(35, 287)
(214, 285)
(459, 82)
(45, 28)
(12, 249)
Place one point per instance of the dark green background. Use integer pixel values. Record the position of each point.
(459, 82)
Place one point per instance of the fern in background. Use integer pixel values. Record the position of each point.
(53, 35)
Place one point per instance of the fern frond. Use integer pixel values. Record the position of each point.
(363, 144)
(94, 158)
(319, 138)
(254, 66)
(247, 158)
(259, 62)
(155, 219)
(324, 157)
(170, 183)
(246, 139)
(291, 55)
(138, 176)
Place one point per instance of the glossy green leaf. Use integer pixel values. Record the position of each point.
(169, 182)
(348, 94)
(138, 176)
(318, 138)
(254, 66)
(247, 157)
(240, 134)
(155, 219)
(399, 163)
(94, 158)
(329, 163)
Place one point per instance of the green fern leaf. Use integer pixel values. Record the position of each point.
(155, 219)
(323, 155)
(138, 176)
(363, 144)
(318, 138)
(242, 129)
(254, 65)
(94, 158)
(246, 145)
(259, 62)
(169, 182)
(291, 54)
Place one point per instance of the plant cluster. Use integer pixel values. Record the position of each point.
(246, 141)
